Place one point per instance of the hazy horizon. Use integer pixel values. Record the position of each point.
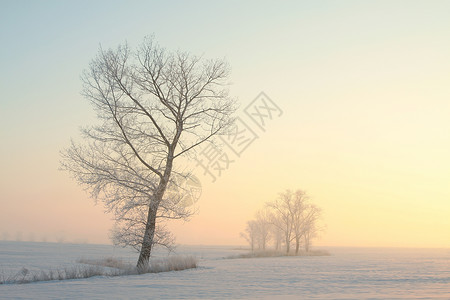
(237, 246)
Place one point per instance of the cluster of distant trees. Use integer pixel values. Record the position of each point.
(289, 218)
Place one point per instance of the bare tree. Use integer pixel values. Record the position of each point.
(298, 206)
(277, 235)
(262, 220)
(311, 230)
(295, 218)
(155, 107)
(258, 230)
(251, 234)
(282, 217)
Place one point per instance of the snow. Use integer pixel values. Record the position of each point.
(349, 273)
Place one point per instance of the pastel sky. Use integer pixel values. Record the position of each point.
(365, 130)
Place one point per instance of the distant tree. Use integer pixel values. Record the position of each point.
(277, 235)
(263, 224)
(282, 216)
(251, 234)
(257, 231)
(295, 218)
(154, 106)
(311, 230)
(298, 210)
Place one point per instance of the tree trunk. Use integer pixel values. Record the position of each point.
(297, 245)
(288, 245)
(147, 241)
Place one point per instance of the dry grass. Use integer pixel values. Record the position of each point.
(172, 263)
(74, 272)
(103, 267)
(110, 262)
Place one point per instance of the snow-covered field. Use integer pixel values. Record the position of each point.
(349, 273)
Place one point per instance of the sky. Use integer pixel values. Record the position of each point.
(363, 88)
